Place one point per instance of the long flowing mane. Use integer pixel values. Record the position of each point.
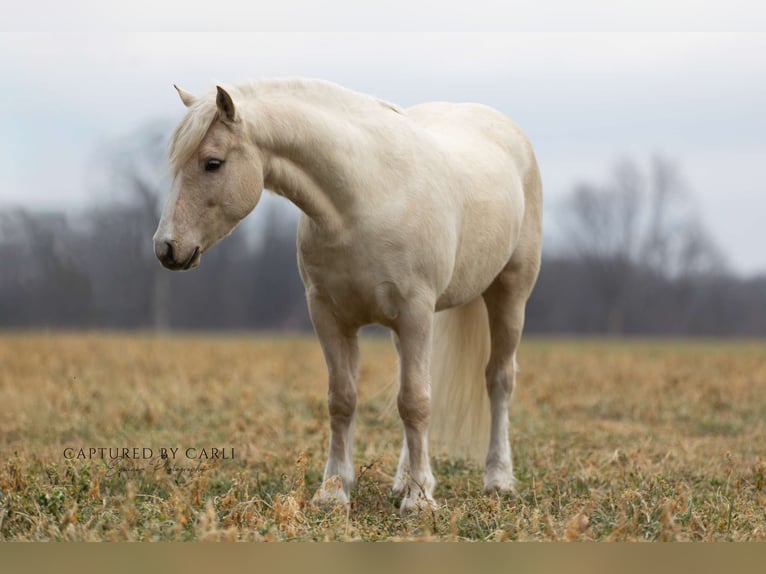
(192, 129)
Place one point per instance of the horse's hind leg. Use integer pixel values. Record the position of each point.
(505, 298)
(403, 468)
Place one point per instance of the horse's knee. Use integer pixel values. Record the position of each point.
(341, 401)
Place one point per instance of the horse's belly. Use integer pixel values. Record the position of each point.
(471, 279)
(490, 232)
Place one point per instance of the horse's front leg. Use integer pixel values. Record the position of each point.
(341, 352)
(414, 401)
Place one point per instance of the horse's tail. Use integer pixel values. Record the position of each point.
(459, 403)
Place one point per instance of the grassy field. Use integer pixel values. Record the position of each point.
(628, 440)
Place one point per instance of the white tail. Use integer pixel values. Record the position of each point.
(460, 416)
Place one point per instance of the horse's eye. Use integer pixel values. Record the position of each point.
(213, 164)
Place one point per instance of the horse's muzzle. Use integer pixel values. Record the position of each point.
(170, 257)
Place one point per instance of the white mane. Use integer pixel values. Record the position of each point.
(192, 129)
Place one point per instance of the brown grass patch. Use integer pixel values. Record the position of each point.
(628, 440)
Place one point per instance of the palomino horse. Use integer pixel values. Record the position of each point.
(425, 220)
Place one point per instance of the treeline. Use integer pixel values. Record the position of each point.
(632, 258)
(98, 270)
(716, 304)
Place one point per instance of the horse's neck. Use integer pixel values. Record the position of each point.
(322, 154)
(308, 158)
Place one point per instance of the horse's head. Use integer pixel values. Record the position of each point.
(217, 180)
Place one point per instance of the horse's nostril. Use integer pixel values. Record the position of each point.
(168, 251)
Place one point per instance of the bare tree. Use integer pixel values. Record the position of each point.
(634, 230)
(41, 282)
(138, 170)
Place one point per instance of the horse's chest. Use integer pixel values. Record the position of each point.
(346, 276)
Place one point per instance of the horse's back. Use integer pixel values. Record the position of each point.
(498, 185)
(476, 131)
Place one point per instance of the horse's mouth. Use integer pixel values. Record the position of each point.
(193, 260)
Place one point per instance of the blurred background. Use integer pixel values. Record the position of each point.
(651, 147)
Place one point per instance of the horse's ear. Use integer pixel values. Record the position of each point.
(186, 97)
(226, 105)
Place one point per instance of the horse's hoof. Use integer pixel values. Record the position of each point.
(416, 503)
(399, 486)
(331, 494)
(500, 485)
(499, 479)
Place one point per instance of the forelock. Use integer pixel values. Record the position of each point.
(190, 132)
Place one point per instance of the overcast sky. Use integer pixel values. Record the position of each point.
(585, 99)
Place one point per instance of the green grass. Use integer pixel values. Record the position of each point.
(613, 440)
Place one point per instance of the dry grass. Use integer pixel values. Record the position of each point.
(613, 441)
